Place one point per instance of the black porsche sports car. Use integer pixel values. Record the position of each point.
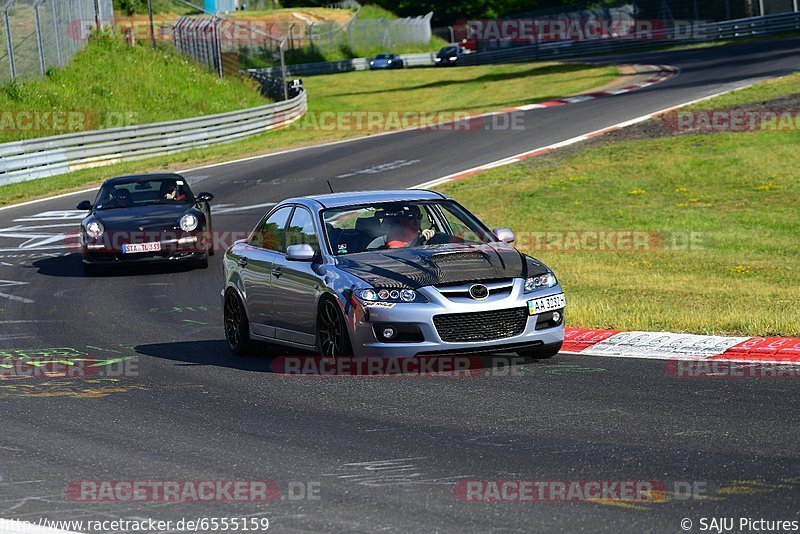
(146, 218)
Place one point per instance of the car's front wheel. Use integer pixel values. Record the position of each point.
(333, 340)
(237, 327)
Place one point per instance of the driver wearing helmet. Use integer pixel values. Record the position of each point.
(408, 228)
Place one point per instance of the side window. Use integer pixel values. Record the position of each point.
(301, 230)
(269, 235)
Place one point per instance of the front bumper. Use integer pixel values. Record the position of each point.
(365, 342)
(184, 248)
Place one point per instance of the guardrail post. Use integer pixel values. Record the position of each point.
(9, 42)
(39, 42)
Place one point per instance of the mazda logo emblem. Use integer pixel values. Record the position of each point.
(479, 292)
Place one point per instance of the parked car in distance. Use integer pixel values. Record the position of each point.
(386, 61)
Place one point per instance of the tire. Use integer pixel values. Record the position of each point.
(542, 353)
(237, 327)
(333, 339)
(203, 263)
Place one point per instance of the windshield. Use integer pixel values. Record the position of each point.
(384, 56)
(386, 226)
(133, 193)
(451, 50)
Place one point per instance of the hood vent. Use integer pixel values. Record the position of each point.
(458, 256)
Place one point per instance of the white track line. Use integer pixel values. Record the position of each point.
(519, 157)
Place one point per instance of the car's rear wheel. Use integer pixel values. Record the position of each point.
(237, 327)
(333, 339)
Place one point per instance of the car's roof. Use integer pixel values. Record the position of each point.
(338, 200)
(143, 177)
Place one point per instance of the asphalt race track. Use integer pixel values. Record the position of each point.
(383, 454)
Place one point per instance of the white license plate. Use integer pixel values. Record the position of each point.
(138, 248)
(547, 304)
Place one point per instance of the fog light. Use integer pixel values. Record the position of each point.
(389, 333)
(556, 317)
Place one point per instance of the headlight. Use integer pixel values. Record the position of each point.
(540, 282)
(189, 222)
(389, 295)
(94, 229)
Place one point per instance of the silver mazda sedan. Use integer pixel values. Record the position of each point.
(388, 274)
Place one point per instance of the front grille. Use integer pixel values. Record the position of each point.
(481, 326)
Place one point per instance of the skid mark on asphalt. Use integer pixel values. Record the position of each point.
(561, 369)
(392, 472)
(383, 167)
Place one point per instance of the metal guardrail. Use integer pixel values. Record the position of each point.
(48, 156)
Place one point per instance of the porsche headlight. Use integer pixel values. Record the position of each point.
(540, 282)
(94, 229)
(189, 223)
(390, 295)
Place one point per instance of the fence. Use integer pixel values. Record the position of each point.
(209, 39)
(36, 35)
(49, 156)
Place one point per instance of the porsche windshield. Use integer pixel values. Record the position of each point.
(167, 190)
(384, 226)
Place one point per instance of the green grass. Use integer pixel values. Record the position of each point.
(761, 92)
(371, 11)
(737, 194)
(113, 84)
(474, 89)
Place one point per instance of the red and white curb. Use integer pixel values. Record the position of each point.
(661, 73)
(691, 347)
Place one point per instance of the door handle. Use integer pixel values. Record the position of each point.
(277, 272)
(243, 262)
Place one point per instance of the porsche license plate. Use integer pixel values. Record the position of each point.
(547, 304)
(138, 248)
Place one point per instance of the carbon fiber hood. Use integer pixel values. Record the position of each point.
(447, 264)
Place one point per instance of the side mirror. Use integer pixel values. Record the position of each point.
(204, 197)
(84, 205)
(300, 253)
(504, 234)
